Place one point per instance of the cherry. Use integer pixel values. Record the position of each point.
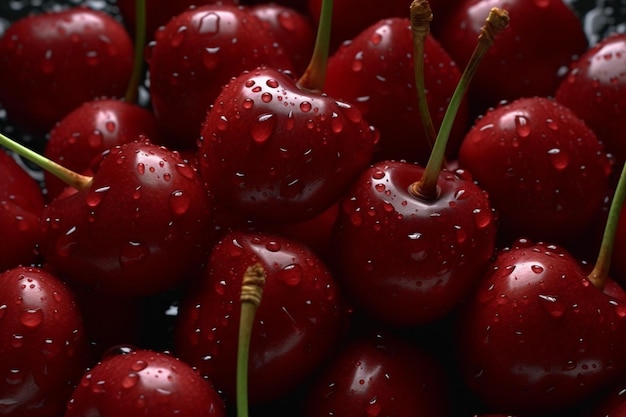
(529, 55)
(78, 140)
(21, 204)
(553, 195)
(159, 12)
(540, 295)
(51, 63)
(593, 89)
(296, 326)
(144, 382)
(194, 55)
(372, 72)
(380, 374)
(281, 150)
(139, 226)
(43, 347)
(411, 241)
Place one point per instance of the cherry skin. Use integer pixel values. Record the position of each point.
(527, 57)
(594, 90)
(375, 72)
(21, 205)
(407, 260)
(380, 374)
(141, 226)
(275, 152)
(144, 382)
(538, 323)
(78, 140)
(194, 55)
(43, 348)
(554, 195)
(296, 327)
(51, 63)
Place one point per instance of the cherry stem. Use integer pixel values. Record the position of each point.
(140, 41)
(251, 294)
(421, 16)
(600, 272)
(69, 177)
(426, 187)
(314, 76)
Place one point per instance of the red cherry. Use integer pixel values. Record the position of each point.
(408, 260)
(85, 133)
(380, 375)
(144, 382)
(271, 150)
(537, 322)
(139, 227)
(43, 348)
(375, 72)
(21, 204)
(556, 193)
(594, 89)
(51, 63)
(526, 59)
(194, 55)
(296, 325)
(159, 12)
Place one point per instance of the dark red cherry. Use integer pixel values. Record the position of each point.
(51, 63)
(43, 347)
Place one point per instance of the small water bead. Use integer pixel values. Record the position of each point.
(305, 106)
(222, 123)
(357, 62)
(247, 103)
(91, 58)
(552, 305)
(558, 158)
(139, 365)
(179, 202)
(250, 83)
(208, 23)
(336, 123)
(130, 380)
(522, 126)
(376, 38)
(3, 311)
(133, 253)
(179, 36)
(31, 318)
(210, 57)
(482, 218)
(273, 246)
(17, 341)
(15, 377)
(95, 197)
(266, 97)
(272, 83)
(262, 129)
(291, 275)
(47, 64)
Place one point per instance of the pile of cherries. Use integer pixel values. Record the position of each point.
(428, 249)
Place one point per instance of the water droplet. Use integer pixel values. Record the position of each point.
(185, 170)
(291, 122)
(291, 275)
(552, 305)
(263, 128)
(266, 97)
(522, 126)
(482, 218)
(47, 64)
(537, 269)
(376, 38)
(210, 57)
(209, 23)
(357, 62)
(222, 123)
(3, 311)
(414, 236)
(130, 380)
(336, 123)
(15, 377)
(305, 106)
(95, 139)
(139, 365)
(141, 168)
(558, 158)
(353, 114)
(247, 103)
(17, 341)
(98, 387)
(570, 365)
(133, 253)
(179, 37)
(272, 83)
(461, 235)
(32, 317)
(373, 408)
(273, 246)
(179, 202)
(95, 197)
(552, 124)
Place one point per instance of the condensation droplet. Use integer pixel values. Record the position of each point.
(130, 380)
(133, 253)
(32, 317)
(558, 158)
(95, 197)
(179, 202)
(262, 129)
(305, 106)
(522, 127)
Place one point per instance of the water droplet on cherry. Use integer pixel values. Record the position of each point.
(522, 126)
(179, 202)
(262, 129)
(32, 317)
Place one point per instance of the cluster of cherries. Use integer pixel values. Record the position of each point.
(429, 245)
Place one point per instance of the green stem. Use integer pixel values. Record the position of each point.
(421, 16)
(251, 294)
(71, 178)
(426, 187)
(600, 272)
(140, 41)
(315, 74)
